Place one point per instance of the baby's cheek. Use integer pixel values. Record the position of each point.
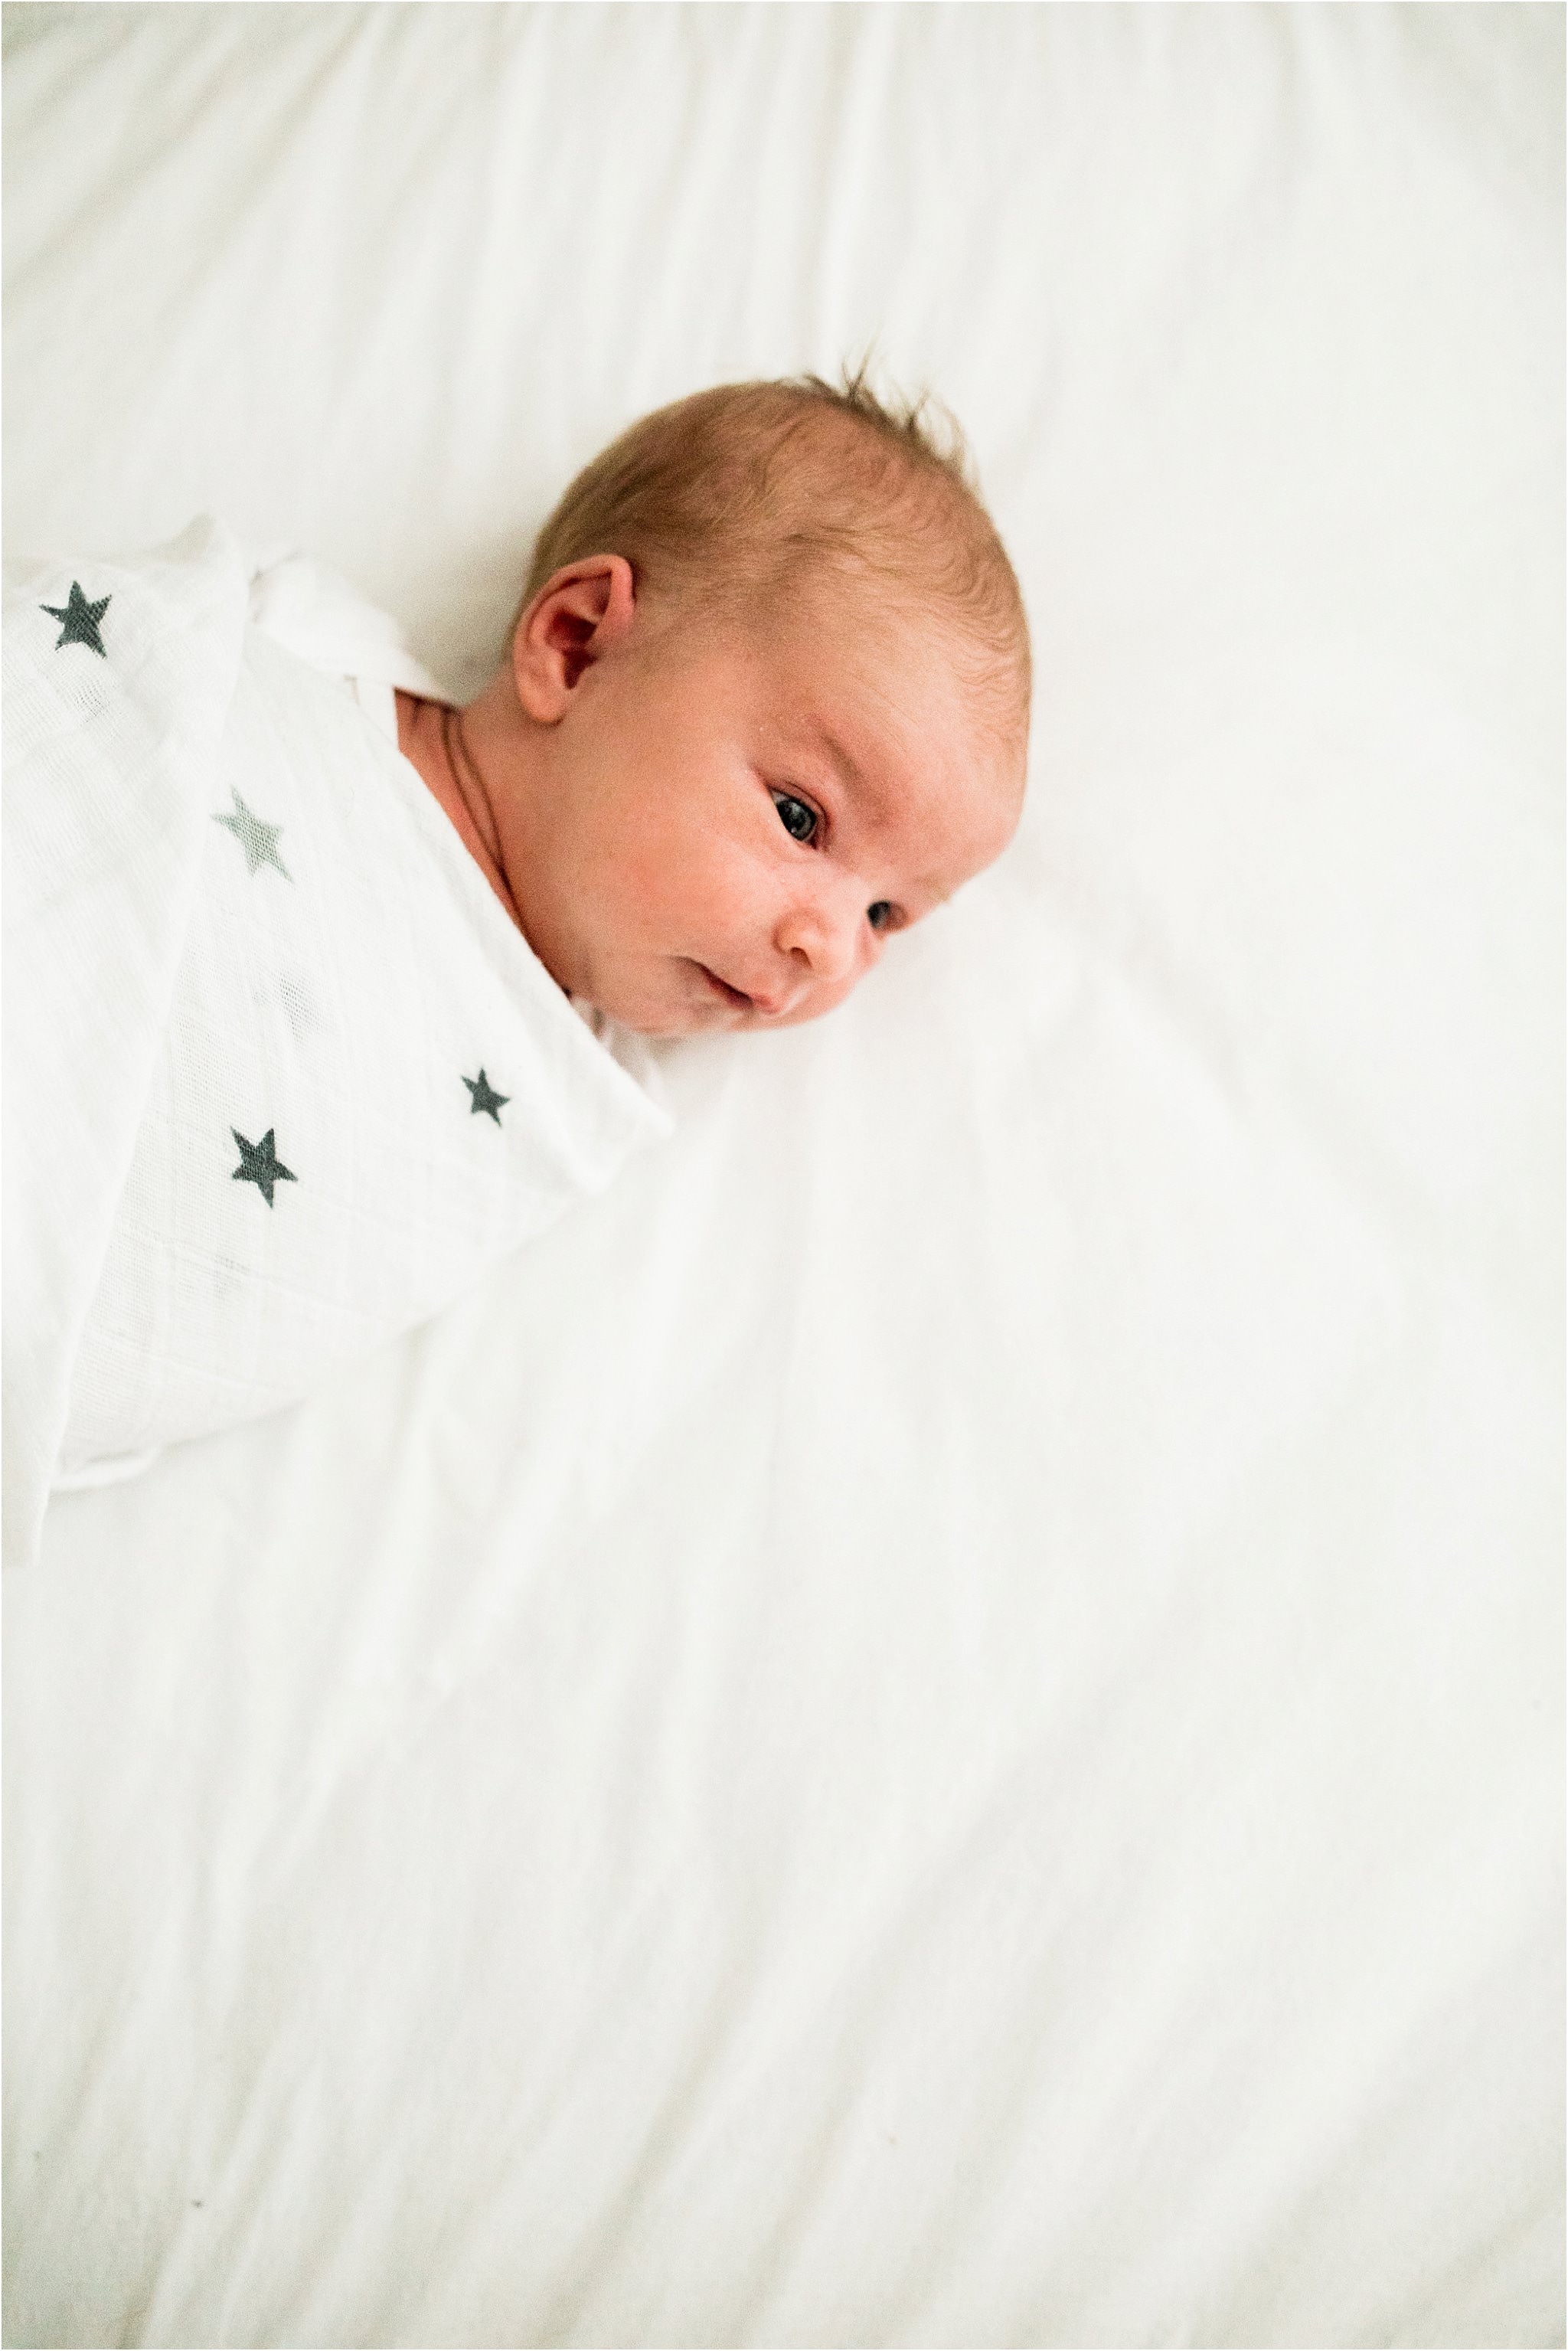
(649, 873)
(709, 882)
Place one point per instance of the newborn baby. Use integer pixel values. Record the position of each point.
(327, 993)
(765, 705)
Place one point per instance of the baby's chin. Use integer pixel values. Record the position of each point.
(688, 998)
(690, 1002)
(712, 1021)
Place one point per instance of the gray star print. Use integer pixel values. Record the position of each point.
(485, 1096)
(78, 619)
(260, 1164)
(258, 841)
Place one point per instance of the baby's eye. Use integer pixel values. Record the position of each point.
(879, 915)
(798, 820)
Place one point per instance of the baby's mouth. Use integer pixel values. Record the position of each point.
(735, 995)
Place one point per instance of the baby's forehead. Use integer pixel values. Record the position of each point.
(892, 658)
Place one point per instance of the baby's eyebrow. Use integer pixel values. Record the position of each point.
(936, 889)
(849, 771)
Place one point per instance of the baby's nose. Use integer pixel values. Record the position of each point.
(822, 934)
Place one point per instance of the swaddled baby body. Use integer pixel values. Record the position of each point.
(331, 992)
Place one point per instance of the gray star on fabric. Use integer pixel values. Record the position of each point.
(258, 841)
(485, 1096)
(80, 620)
(260, 1164)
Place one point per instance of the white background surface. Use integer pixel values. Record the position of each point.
(939, 1722)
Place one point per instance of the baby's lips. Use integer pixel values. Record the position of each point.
(770, 1006)
(752, 1000)
(736, 996)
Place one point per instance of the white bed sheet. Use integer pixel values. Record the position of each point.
(939, 1721)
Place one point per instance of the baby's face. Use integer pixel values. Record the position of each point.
(735, 829)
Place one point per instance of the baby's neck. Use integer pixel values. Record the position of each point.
(430, 737)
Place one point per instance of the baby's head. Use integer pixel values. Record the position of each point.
(765, 704)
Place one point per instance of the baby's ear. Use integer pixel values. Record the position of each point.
(578, 615)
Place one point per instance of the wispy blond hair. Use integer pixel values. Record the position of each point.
(733, 498)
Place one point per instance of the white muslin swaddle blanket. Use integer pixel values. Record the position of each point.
(283, 1076)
